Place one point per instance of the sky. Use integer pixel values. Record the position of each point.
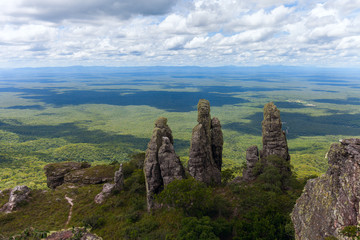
(44, 33)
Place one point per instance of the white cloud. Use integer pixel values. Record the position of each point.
(175, 32)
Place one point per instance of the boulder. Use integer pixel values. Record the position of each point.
(170, 164)
(273, 137)
(252, 158)
(330, 202)
(55, 172)
(105, 193)
(201, 164)
(18, 195)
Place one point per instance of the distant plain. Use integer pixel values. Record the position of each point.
(100, 114)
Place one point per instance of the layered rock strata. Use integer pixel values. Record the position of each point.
(55, 172)
(330, 202)
(160, 167)
(205, 158)
(18, 195)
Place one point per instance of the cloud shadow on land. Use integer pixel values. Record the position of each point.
(169, 101)
(298, 124)
(75, 134)
(351, 101)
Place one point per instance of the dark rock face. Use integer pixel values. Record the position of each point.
(152, 168)
(202, 165)
(273, 137)
(170, 165)
(55, 172)
(18, 195)
(252, 158)
(217, 142)
(330, 202)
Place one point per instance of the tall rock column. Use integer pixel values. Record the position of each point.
(202, 165)
(161, 164)
(273, 137)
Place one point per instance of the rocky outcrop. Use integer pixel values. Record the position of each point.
(93, 175)
(170, 165)
(18, 195)
(55, 172)
(109, 188)
(273, 137)
(252, 158)
(203, 152)
(152, 168)
(75, 233)
(274, 143)
(330, 202)
(217, 142)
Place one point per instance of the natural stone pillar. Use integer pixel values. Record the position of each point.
(202, 165)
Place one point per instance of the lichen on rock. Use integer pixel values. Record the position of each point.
(18, 196)
(330, 202)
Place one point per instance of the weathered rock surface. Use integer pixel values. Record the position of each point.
(273, 137)
(330, 202)
(201, 164)
(92, 175)
(18, 195)
(55, 172)
(119, 179)
(217, 141)
(152, 169)
(252, 158)
(108, 188)
(170, 165)
(105, 193)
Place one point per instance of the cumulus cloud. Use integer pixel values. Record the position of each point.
(179, 32)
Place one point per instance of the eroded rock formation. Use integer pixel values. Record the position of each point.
(18, 195)
(108, 188)
(203, 152)
(170, 165)
(55, 172)
(274, 143)
(159, 172)
(273, 137)
(252, 158)
(330, 202)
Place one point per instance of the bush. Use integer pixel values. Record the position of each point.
(191, 196)
(94, 222)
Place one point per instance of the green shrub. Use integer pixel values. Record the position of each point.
(94, 222)
(191, 196)
(197, 229)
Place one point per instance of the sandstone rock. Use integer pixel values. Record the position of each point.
(252, 157)
(201, 164)
(273, 137)
(108, 188)
(217, 142)
(152, 172)
(93, 175)
(170, 164)
(55, 172)
(18, 195)
(330, 202)
(119, 179)
(105, 193)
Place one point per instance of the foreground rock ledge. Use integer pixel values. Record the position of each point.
(330, 202)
